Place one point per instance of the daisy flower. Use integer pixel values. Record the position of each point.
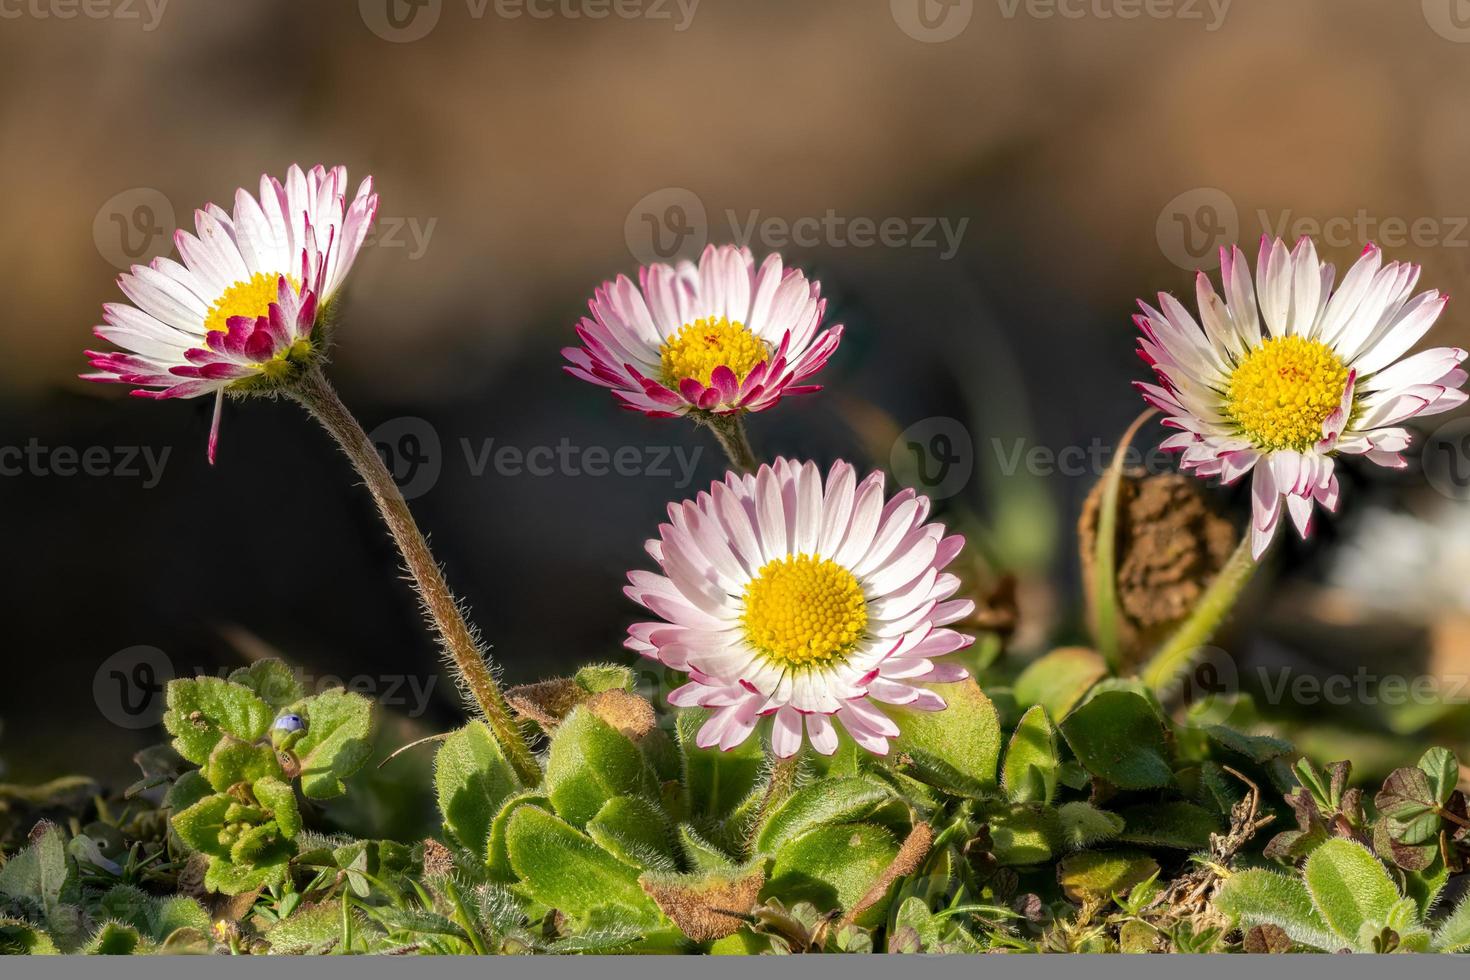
(238, 312)
(718, 338)
(808, 601)
(1287, 373)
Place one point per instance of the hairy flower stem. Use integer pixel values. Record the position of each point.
(783, 781)
(730, 431)
(319, 398)
(1179, 652)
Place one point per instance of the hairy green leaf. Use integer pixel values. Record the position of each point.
(1258, 897)
(1058, 680)
(1349, 886)
(1117, 735)
(338, 741)
(590, 763)
(473, 780)
(563, 868)
(201, 710)
(1030, 772)
(957, 749)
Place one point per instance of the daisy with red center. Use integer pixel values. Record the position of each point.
(719, 338)
(1281, 375)
(238, 313)
(806, 601)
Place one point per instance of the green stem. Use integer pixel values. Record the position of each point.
(1179, 652)
(461, 642)
(729, 430)
(1104, 557)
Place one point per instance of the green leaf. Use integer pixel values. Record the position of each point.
(1349, 886)
(596, 678)
(188, 789)
(831, 866)
(1117, 735)
(831, 801)
(1083, 825)
(1030, 772)
(234, 761)
(20, 938)
(1443, 770)
(1453, 934)
(1177, 824)
(1258, 897)
(1025, 834)
(715, 782)
(273, 682)
(46, 874)
(591, 762)
(497, 857)
(228, 878)
(177, 912)
(957, 749)
(338, 741)
(1058, 680)
(311, 929)
(701, 854)
(128, 905)
(200, 825)
(1259, 749)
(201, 710)
(564, 869)
(278, 797)
(1409, 800)
(1103, 874)
(636, 831)
(473, 780)
(113, 939)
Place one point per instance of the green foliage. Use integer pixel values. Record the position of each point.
(1059, 680)
(1118, 737)
(562, 868)
(957, 749)
(1030, 773)
(590, 763)
(472, 779)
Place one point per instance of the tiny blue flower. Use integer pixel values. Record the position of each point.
(290, 723)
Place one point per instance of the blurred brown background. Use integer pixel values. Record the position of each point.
(1080, 152)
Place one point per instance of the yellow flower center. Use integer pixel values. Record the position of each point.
(700, 347)
(1283, 391)
(804, 610)
(251, 297)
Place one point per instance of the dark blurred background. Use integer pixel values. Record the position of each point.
(1037, 165)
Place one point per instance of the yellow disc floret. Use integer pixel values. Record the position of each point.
(700, 347)
(1283, 391)
(250, 297)
(803, 610)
